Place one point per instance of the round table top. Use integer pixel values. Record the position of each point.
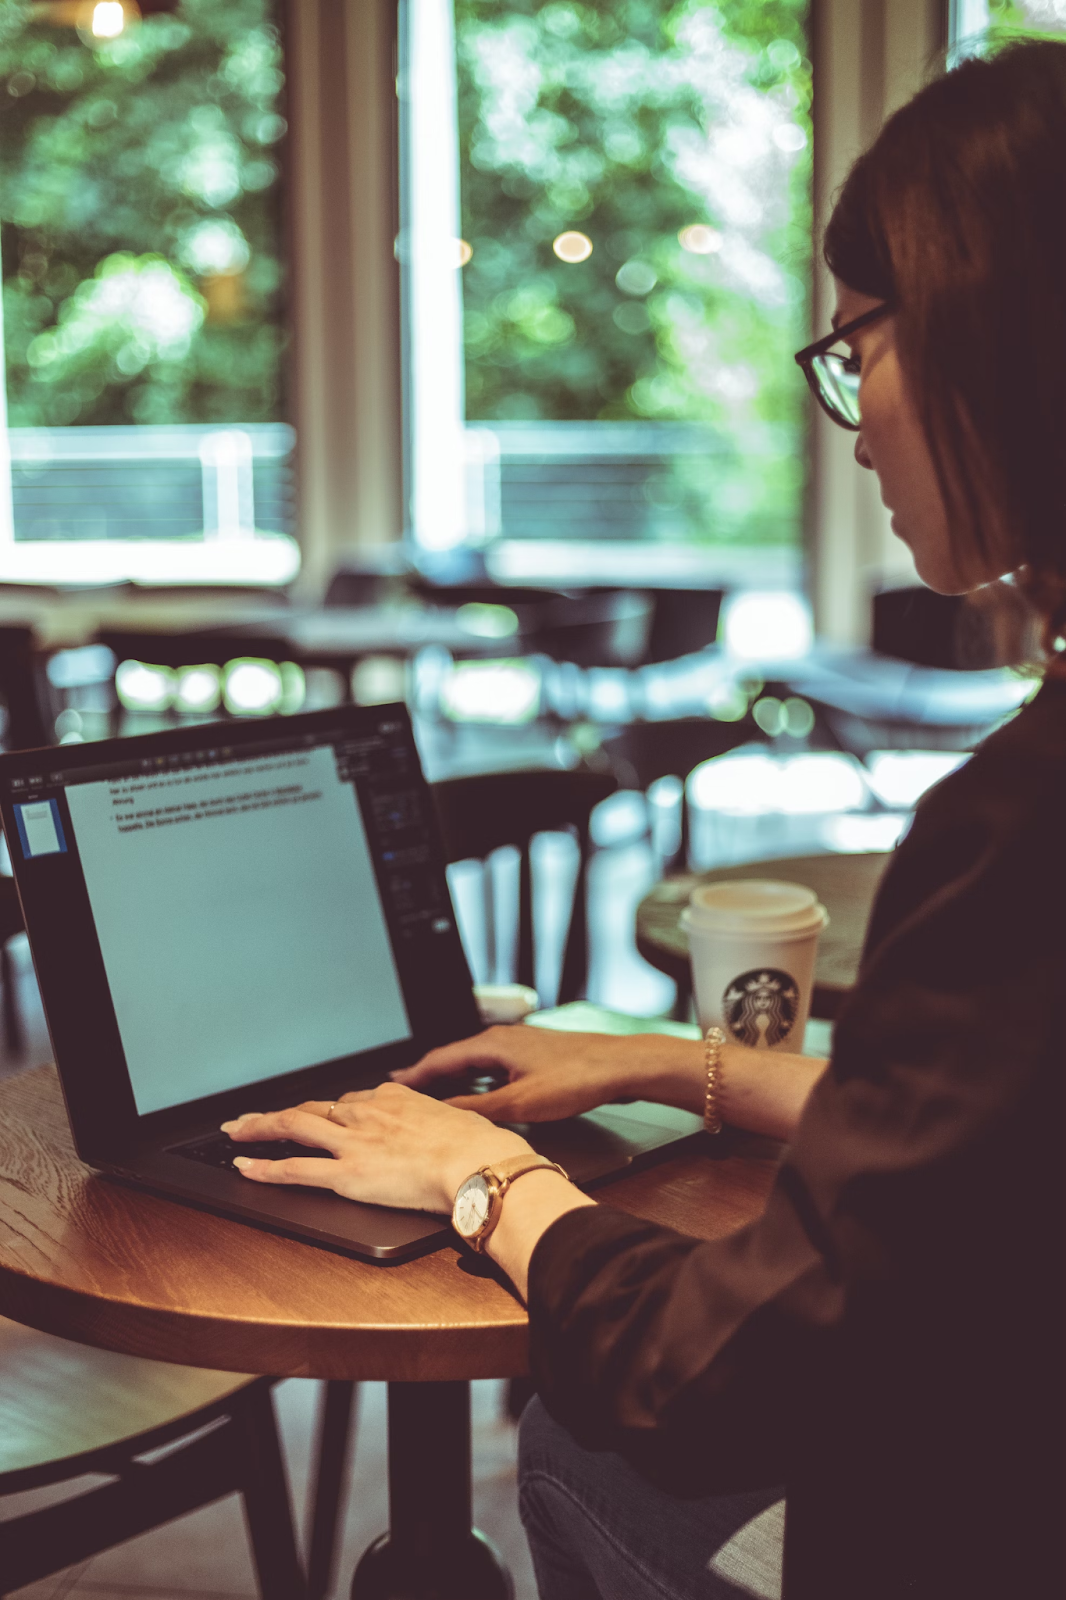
(102, 1262)
(845, 884)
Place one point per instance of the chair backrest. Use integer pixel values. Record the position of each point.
(483, 813)
(68, 1411)
(644, 752)
(25, 691)
(993, 627)
(684, 621)
(357, 587)
(193, 647)
(597, 628)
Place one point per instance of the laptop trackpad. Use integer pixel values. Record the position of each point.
(606, 1143)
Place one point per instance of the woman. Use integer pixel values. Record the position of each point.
(885, 1342)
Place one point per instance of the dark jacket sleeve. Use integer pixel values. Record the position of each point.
(905, 1247)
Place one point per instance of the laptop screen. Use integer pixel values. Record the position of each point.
(239, 921)
(248, 898)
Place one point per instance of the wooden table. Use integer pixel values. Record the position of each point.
(845, 884)
(88, 1258)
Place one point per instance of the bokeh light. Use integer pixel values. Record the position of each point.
(855, 834)
(572, 247)
(252, 687)
(141, 686)
(636, 277)
(631, 317)
(766, 626)
(491, 691)
(487, 621)
(824, 780)
(788, 136)
(199, 689)
(700, 240)
(108, 19)
(745, 784)
(379, 680)
(901, 777)
(293, 688)
(767, 713)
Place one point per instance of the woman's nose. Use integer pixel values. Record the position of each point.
(862, 455)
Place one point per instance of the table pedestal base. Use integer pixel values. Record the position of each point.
(431, 1552)
(473, 1569)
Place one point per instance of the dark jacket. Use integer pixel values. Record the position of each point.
(887, 1340)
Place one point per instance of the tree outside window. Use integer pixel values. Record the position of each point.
(143, 273)
(635, 262)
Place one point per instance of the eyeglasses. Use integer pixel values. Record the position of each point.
(833, 376)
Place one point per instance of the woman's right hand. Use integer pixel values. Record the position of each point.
(550, 1074)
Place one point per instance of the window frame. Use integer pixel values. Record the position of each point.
(346, 344)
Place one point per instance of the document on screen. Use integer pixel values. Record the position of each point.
(239, 921)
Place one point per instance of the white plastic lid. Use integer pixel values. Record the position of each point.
(755, 905)
(504, 1002)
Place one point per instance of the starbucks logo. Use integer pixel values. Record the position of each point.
(760, 1007)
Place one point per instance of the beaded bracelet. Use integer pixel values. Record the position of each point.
(713, 1045)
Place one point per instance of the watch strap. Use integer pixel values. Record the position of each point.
(500, 1177)
(505, 1172)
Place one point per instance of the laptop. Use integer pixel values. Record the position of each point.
(241, 916)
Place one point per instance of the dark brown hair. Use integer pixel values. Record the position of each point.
(958, 213)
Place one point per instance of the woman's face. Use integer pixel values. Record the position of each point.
(892, 444)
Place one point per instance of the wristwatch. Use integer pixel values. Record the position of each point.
(479, 1200)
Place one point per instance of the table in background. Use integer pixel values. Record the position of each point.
(88, 1258)
(845, 884)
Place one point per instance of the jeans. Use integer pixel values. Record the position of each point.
(598, 1531)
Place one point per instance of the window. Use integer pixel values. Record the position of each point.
(1027, 17)
(606, 254)
(143, 293)
(972, 22)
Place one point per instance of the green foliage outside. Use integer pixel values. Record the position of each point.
(139, 217)
(1039, 18)
(631, 121)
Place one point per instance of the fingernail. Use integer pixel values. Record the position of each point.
(240, 1162)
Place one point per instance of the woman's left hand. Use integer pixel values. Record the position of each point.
(391, 1147)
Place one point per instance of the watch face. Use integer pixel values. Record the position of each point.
(471, 1206)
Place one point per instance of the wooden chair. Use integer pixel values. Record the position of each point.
(477, 815)
(597, 628)
(684, 621)
(644, 752)
(933, 679)
(28, 697)
(14, 1029)
(959, 632)
(30, 709)
(481, 814)
(67, 1410)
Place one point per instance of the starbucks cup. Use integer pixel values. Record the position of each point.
(752, 945)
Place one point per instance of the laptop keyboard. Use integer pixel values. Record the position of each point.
(218, 1150)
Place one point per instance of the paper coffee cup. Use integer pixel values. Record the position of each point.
(752, 944)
